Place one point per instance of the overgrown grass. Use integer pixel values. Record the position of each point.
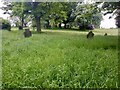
(59, 60)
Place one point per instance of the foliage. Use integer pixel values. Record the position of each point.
(59, 60)
(18, 13)
(51, 12)
(69, 8)
(88, 14)
(110, 7)
(117, 18)
(60, 12)
(41, 10)
(5, 24)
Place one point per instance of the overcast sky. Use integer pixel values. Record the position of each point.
(105, 23)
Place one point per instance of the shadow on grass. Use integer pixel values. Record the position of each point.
(110, 47)
(57, 31)
(48, 32)
(35, 32)
(70, 29)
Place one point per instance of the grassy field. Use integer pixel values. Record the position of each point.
(59, 60)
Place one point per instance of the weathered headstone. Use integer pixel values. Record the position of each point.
(20, 27)
(90, 34)
(90, 27)
(105, 34)
(27, 33)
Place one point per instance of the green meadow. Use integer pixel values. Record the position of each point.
(59, 59)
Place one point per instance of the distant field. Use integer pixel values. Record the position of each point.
(59, 59)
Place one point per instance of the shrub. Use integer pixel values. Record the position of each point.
(81, 26)
(90, 27)
(6, 25)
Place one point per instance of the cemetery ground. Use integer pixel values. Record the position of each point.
(59, 59)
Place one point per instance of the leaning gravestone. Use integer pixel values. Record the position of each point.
(90, 34)
(105, 34)
(27, 33)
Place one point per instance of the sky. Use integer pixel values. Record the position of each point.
(105, 23)
(108, 23)
(1, 11)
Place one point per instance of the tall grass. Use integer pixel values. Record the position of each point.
(59, 60)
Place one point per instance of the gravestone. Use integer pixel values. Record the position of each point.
(90, 34)
(27, 33)
(20, 27)
(90, 27)
(105, 34)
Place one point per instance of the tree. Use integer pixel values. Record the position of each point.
(60, 12)
(69, 8)
(37, 10)
(56, 13)
(87, 14)
(40, 10)
(16, 9)
(117, 12)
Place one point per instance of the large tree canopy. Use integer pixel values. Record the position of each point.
(56, 13)
(88, 14)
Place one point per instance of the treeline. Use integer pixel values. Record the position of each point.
(65, 15)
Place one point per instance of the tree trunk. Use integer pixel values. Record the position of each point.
(65, 26)
(60, 25)
(118, 22)
(55, 23)
(25, 24)
(22, 22)
(38, 24)
(48, 23)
